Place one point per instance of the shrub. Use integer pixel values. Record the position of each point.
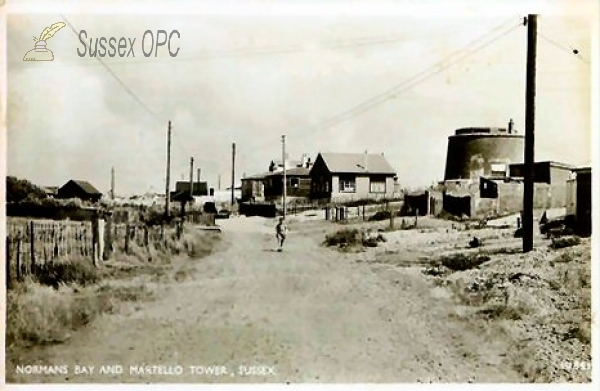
(343, 237)
(21, 190)
(460, 261)
(567, 241)
(381, 215)
(79, 271)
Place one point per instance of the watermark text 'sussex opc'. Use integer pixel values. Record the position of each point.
(125, 47)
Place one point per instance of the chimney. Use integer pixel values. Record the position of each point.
(510, 125)
(366, 160)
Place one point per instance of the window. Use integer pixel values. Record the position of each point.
(294, 182)
(377, 185)
(347, 184)
(498, 169)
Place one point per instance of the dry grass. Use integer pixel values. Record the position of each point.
(72, 270)
(546, 315)
(69, 294)
(563, 242)
(38, 314)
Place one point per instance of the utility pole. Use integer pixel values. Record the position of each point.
(284, 175)
(232, 175)
(112, 183)
(219, 182)
(167, 195)
(528, 188)
(191, 177)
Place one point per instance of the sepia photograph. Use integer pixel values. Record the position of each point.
(317, 193)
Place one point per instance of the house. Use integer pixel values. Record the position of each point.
(253, 187)
(351, 176)
(268, 186)
(79, 189)
(579, 201)
(182, 191)
(297, 184)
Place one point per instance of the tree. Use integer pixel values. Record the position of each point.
(21, 189)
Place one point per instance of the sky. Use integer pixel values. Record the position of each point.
(248, 78)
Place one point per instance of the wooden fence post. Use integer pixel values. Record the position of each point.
(7, 261)
(127, 239)
(146, 236)
(32, 247)
(108, 238)
(19, 250)
(102, 239)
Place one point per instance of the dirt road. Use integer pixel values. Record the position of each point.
(308, 314)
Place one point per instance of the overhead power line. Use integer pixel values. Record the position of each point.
(570, 50)
(456, 57)
(128, 90)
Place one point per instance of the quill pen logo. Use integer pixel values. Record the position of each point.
(39, 52)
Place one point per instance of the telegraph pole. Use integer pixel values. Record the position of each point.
(112, 183)
(529, 174)
(167, 195)
(284, 175)
(191, 177)
(232, 175)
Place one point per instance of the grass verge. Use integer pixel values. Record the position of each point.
(68, 294)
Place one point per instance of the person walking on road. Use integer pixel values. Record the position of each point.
(281, 234)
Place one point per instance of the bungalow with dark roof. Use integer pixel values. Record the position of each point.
(79, 189)
(297, 184)
(352, 176)
(253, 187)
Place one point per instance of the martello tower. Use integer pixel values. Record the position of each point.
(475, 152)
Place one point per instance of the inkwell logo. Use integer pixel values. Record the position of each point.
(39, 52)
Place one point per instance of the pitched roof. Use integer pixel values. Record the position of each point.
(296, 171)
(357, 163)
(86, 186)
(257, 176)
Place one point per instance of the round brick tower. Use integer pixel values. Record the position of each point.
(475, 152)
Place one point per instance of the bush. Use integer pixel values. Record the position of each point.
(381, 215)
(352, 237)
(343, 237)
(70, 271)
(567, 241)
(460, 261)
(21, 190)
